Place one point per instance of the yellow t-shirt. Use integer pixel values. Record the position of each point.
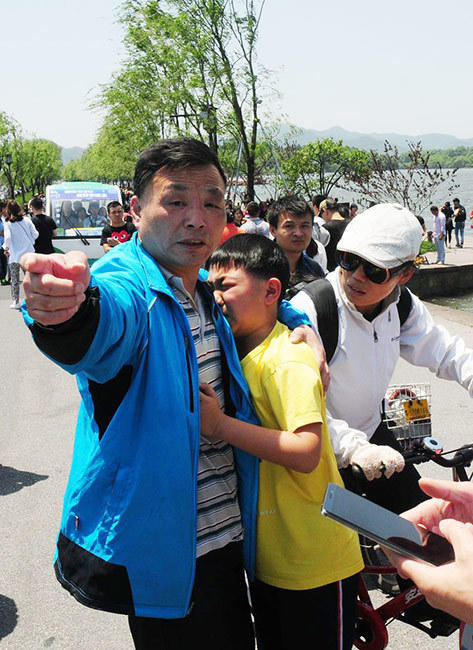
(296, 547)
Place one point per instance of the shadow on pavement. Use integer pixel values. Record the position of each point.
(13, 480)
(8, 616)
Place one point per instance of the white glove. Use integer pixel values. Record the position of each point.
(376, 460)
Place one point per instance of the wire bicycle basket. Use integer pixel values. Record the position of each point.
(407, 412)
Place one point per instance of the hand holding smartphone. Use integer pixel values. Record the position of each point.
(385, 527)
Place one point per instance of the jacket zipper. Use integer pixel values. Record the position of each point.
(189, 376)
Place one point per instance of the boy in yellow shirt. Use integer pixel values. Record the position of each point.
(305, 589)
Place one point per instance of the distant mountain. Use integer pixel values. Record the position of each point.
(375, 141)
(71, 153)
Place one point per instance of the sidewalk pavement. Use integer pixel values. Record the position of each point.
(453, 256)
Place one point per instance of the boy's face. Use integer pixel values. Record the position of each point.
(241, 297)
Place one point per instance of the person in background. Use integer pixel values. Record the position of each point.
(316, 201)
(335, 224)
(353, 210)
(459, 215)
(254, 224)
(82, 218)
(94, 219)
(231, 228)
(449, 226)
(19, 238)
(3, 257)
(45, 225)
(68, 217)
(439, 234)
(118, 230)
(238, 216)
(290, 224)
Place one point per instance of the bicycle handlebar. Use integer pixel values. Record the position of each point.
(463, 456)
(424, 453)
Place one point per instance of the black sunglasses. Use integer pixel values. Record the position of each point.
(376, 274)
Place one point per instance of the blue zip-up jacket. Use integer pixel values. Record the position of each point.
(127, 540)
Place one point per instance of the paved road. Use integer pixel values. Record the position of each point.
(39, 406)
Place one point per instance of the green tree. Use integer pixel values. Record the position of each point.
(410, 181)
(318, 167)
(11, 152)
(190, 70)
(41, 164)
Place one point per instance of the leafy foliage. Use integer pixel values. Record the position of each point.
(411, 184)
(318, 167)
(190, 69)
(26, 164)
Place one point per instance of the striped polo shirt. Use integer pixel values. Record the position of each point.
(218, 510)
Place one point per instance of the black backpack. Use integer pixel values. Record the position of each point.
(323, 296)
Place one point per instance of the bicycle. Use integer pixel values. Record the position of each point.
(371, 627)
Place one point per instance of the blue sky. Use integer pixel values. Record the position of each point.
(369, 66)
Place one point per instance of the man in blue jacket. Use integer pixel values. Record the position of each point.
(154, 514)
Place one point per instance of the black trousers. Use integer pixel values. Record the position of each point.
(3, 264)
(322, 618)
(220, 613)
(398, 493)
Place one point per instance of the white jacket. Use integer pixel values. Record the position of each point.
(19, 238)
(365, 358)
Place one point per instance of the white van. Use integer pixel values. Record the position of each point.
(80, 212)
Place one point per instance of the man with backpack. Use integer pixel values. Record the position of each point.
(367, 319)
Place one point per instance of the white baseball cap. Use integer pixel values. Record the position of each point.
(386, 235)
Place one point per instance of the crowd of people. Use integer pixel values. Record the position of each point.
(28, 229)
(213, 417)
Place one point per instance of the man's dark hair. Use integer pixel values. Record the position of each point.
(317, 199)
(178, 153)
(433, 207)
(113, 204)
(36, 203)
(353, 205)
(257, 255)
(3, 204)
(293, 205)
(253, 209)
(456, 200)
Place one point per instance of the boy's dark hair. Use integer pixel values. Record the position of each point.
(177, 153)
(36, 203)
(293, 205)
(257, 255)
(433, 207)
(3, 204)
(112, 204)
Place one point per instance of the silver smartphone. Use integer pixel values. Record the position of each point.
(385, 527)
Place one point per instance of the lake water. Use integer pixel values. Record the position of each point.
(464, 191)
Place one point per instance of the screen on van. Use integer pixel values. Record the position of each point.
(81, 208)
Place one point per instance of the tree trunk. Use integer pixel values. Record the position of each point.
(250, 187)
